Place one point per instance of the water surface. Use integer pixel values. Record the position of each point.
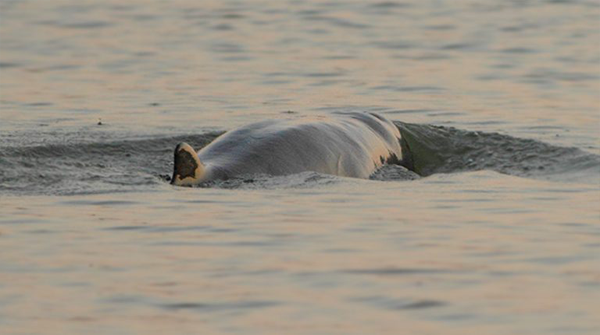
(500, 235)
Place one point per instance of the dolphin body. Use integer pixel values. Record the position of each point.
(343, 144)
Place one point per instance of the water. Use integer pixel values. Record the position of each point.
(499, 102)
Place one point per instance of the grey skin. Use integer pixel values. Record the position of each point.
(345, 144)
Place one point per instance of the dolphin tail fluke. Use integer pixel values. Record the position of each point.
(188, 170)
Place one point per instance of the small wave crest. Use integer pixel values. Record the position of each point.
(437, 149)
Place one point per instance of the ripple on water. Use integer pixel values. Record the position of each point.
(396, 271)
(220, 307)
(197, 306)
(399, 304)
(8, 65)
(106, 203)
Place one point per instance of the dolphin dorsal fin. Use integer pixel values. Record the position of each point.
(188, 170)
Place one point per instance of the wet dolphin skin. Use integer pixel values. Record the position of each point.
(343, 144)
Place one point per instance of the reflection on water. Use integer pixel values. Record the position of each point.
(94, 96)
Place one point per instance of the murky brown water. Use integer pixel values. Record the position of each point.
(92, 240)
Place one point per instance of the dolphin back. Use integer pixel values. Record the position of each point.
(344, 144)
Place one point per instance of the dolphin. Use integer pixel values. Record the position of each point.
(343, 144)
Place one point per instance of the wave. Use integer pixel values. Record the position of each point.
(97, 167)
(437, 149)
(133, 165)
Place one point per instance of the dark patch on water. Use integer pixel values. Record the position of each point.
(559, 260)
(399, 304)
(100, 203)
(76, 25)
(323, 74)
(389, 5)
(546, 76)
(7, 65)
(127, 228)
(395, 45)
(39, 104)
(223, 27)
(227, 48)
(519, 50)
(215, 307)
(86, 25)
(395, 271)
(342, 23)
(412, 89)
(441, 27)
(458, 46)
